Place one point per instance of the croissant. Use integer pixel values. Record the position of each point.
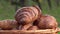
(26, 15)
(25, 27)
(8, 24)
(47, 22)
(33, 28)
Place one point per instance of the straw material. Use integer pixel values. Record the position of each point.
(47, 31)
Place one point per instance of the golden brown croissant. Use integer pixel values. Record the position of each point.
(33, 28)
(26, 15)
(25, 27)
(47, 22)
(8, 24)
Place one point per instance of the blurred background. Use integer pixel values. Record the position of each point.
(9, 7)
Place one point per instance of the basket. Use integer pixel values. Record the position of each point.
(47, 31)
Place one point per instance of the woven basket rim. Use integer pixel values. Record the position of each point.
(31, 31)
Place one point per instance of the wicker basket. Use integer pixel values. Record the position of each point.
(47, 31)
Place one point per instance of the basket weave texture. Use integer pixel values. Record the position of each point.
(48, 31)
